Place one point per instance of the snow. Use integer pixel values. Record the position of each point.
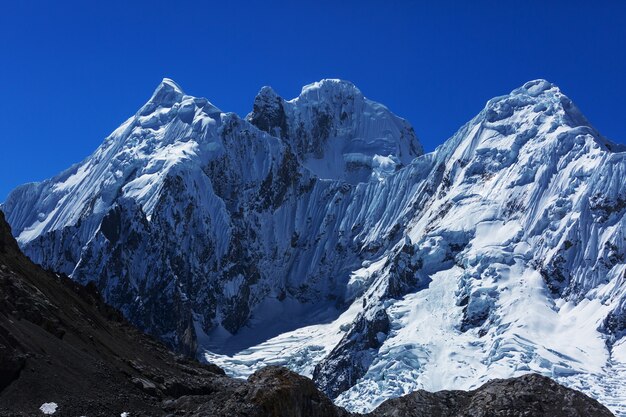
(426, 350)
(361, 278)
(299, 349)
(359, 140)
(49, 408)
(527, 330)
(619, 351)
(500, 253)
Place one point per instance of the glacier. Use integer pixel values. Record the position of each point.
(316, 234)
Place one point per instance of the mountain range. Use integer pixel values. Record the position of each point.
(65, 352)
(316, 234)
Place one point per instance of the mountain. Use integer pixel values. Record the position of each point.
(185, 215)
(315, 234)
(337, 132)
(65, 352)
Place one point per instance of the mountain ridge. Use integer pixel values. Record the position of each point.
(233, 224)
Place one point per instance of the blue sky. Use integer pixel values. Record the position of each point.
(73, 71)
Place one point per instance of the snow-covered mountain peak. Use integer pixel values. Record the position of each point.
(266, 93)
(329, 88)
(167, 93)
(336, 132)
(537, 96)
(169, 100)
(537, 87)
(540, 110)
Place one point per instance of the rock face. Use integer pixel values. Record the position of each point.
(351, 358)
(61, 344)
(529, 395)
(256, 241)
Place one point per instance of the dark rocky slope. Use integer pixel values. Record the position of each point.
(60, 343)
(528, 395)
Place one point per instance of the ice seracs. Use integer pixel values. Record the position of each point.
(315, 231)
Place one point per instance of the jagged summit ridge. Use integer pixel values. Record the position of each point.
(544, 96)
(546, 100)
(328, 87)
(167, 93)
(336, 132)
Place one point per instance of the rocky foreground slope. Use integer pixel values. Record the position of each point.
(61, 346)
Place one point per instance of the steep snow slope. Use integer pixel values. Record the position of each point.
(500, 253)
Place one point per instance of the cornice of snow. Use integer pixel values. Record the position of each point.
(167, 93)
(326, 87)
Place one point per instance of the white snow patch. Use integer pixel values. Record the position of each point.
(48, 408)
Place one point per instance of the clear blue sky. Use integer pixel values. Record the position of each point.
(73, 71)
